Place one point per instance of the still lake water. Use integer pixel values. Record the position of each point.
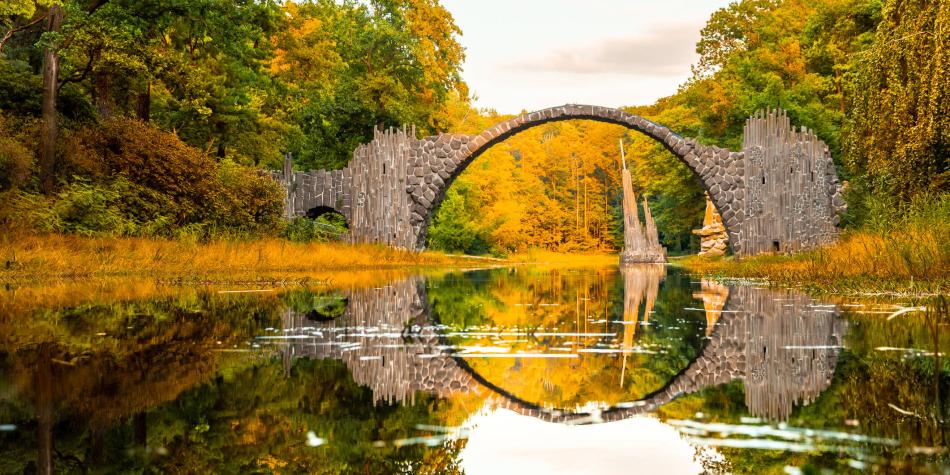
(512, 370)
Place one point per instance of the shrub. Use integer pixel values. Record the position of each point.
(168, 188)
(157, 164)
(79, 208)
(16, 157)
(249, 201)
(15, 163)
(322, 229)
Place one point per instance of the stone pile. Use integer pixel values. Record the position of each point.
(714, 240)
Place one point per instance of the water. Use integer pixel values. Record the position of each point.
(521, 370)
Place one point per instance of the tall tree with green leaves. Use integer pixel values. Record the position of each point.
(899, 134)
(352, 66)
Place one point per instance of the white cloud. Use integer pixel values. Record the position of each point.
(658, 52)
(531, 54)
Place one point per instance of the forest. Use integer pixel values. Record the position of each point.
(156, 118)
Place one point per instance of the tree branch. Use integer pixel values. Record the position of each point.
(81, 77)
(95, 4)
(11, 31)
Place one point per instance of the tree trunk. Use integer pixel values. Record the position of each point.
(44, 411)
(102, 90)
(143, 105)
(50, 91)
(140, 423)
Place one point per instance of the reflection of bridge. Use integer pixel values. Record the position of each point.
(782, 345)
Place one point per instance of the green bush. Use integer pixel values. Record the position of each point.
(130, 178)
(15, 163)
(324, 228)
(453, 228)
(169, 188)
(249, 200)
(80, 208)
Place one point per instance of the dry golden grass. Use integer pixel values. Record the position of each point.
(912, 260)
(30, 257)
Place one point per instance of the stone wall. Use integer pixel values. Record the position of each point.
(370, 192)
(793, 196)
(394, 184)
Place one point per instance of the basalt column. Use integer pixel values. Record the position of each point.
(641, 243)
(792, 199)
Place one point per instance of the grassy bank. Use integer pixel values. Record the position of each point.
(908, 261)
(30, 257)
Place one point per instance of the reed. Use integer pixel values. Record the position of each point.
(29, 256)
(910, 259)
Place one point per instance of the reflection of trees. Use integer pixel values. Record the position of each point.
(112, 387)
(154, 382)
(889, 384)
(78, 373)
(258, 417)
(641, 282)
(570, 302)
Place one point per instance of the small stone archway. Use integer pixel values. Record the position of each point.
(781, 192)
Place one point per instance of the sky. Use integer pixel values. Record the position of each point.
(533, 54)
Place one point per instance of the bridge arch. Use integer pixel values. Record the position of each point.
(781, 191)
(439, 160)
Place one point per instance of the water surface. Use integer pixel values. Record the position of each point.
(511, 370)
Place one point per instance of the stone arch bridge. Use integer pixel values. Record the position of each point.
(783, 345)
(780, 193)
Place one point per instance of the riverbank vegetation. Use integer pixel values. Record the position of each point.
(907, 254)
(156, 126)
(30, 257)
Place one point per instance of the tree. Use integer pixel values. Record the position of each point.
(900, 132)
(385, 63)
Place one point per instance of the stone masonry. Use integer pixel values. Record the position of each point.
(391, 188)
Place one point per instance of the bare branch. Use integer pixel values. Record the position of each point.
(18, 29)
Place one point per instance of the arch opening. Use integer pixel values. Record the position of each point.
(319, 223)
(448, 155)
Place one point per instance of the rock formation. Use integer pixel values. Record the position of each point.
(714, 241)
(641, 243)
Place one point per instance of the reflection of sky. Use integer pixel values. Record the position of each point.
(502, 441)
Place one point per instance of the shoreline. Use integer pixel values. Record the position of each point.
(35, 258)
(840, 269)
